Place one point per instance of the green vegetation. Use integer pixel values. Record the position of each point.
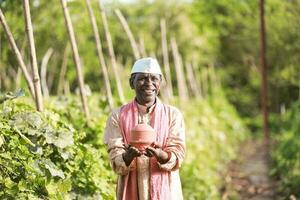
(54, 154)
(212, 140)
(48, 155)
(286, 154)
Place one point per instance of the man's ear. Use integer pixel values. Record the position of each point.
(131, 82)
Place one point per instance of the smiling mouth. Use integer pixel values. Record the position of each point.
(148, 91)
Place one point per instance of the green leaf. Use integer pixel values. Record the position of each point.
(9, 183)
(54, 171)
(1, 141)
(22, 185)
(61, 139)
(59, 189)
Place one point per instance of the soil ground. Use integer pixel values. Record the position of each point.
(247, 177)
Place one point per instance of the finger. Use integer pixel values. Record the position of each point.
(133, 149)
(136, 151)
(152, 149)
(149, 153)
(138, 154)
(156, 145)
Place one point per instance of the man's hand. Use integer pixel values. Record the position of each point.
(155, 150)
(130, 154)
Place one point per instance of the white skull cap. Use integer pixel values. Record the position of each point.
(146, 65)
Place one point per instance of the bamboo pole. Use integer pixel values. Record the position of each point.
(0, 42)
(127, 30)
(44, 72)
(76, 59)
(181, 83)
(166, 56)
(205, 81)
(10, 76)
(63, 70)
(198, 80)
(35, 71)
(100, 54)
(192, 79)
(18, 78)
(67, 88)
(142, 46)
(17, 54)
(111, 53)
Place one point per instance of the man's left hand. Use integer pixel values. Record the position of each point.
(155, 150)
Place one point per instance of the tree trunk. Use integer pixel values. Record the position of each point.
(17, 54)
(76, 59)
(263, 63)
(100, 54)
(127, 30)
(111, 53)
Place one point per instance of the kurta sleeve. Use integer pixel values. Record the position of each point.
(115, 144)
(175, 141)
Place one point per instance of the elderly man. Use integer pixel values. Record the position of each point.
(151, 174)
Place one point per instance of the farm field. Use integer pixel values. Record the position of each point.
(231, 67)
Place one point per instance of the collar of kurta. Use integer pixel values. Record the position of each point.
(144, 109)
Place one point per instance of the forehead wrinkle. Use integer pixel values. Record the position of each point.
(146, 75)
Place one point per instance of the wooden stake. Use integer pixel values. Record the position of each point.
(63, 70)
(76, 59)
(164, 47)
(198, 82)
(18, 78)
(67, 88)
(111, 53)
(142, 46)
(17, 54)
(100, 54)
(35, 70)
(192, 79)
(127, 30)
(205, 81)
(44, 72)
(181, 83)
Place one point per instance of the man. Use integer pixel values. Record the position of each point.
(152, 174)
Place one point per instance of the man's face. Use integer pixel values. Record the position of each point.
(146, 87)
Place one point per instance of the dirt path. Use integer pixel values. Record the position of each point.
(247, 177)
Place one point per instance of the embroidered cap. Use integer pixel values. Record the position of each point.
(146, 65)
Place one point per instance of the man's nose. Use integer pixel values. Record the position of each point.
(148, 80)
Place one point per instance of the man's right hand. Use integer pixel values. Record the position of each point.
(130, 154)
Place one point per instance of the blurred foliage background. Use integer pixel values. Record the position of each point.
(223, 34)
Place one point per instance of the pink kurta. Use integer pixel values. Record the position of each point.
(175, 143)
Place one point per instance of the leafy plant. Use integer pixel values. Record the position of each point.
(43, 156)
(212, 140)
(286, 154)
